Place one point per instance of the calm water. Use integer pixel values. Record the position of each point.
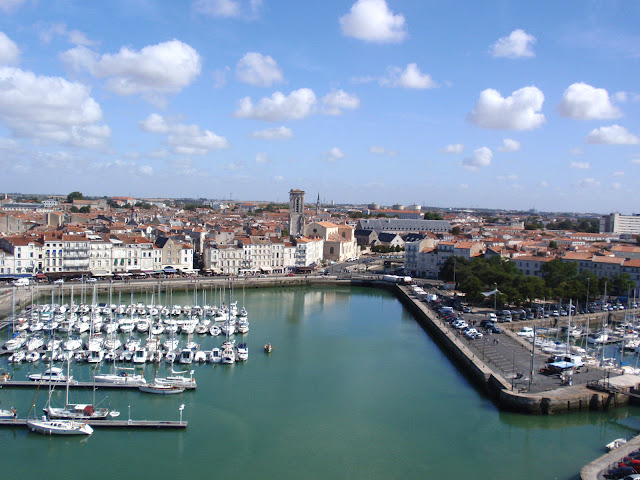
(353, 389)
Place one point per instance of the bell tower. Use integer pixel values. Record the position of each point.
(296, 213)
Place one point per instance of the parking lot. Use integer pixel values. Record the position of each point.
(510, 355)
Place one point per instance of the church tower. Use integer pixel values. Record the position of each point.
(296, 213)
(318, 206)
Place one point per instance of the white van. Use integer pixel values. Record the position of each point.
(21, 282)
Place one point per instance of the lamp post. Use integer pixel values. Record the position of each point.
(587, 303)
(181, 409)
(495, 297)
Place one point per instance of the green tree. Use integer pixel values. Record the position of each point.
(553, 245)
(456, 230)
(74, 196)
(85, 209)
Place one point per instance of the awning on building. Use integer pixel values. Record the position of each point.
(170, 270)
(266, 269)
(101, 273)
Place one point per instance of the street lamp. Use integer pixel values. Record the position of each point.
(495, 298)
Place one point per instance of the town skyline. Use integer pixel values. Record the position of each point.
(361, 101)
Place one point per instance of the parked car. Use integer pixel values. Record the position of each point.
(494, 329)
(620, 472)
(59, 281)
(91, 280)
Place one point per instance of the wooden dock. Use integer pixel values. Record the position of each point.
(146, 424)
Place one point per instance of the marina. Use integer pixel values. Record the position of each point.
(323, 377)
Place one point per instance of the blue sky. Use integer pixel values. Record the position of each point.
(491, 104)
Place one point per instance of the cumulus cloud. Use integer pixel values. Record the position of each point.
(228, 8)
(453, 148)
(153, 71)
(580, 165)
(518, 44)
(410, 77)
(336, 101)
(612, 135)
(9, 51)
(334, 154)
(372, 21)
(258, 70)
(275, 133)
(520, 111)
(380, 150)
(584, 102)
(509, 145)
(69, 117)
(262, 157)
(279, 107)
(543, 184)
(184, 139)
(480, 158)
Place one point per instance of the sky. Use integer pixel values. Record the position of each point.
(493, 104)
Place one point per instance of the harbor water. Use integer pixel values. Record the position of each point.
(354, 388)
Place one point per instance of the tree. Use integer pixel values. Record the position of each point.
(553, 245)
(432, 216)
(456, 230)
(85, 209)
(74, 196)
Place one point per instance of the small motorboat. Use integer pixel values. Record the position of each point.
(618, 442)
(268, 348)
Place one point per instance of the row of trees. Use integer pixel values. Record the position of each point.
(560, 280)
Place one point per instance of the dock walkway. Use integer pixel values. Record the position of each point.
(22, 422)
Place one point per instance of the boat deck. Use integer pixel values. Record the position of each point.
(22, 422)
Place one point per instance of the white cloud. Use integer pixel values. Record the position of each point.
(612, 135)
(275, 133)
(584, 102)
(338, 100)
(520, 111)
(8, 6)
(184, 139)
(410, 77)
(480, 158)
(9, 51)
(518, 44)
(587, 183)
(543, 184)
(509, 145)
(334, 154)
(464, 186)
(372, 21)
(258, 70)
(278, 179)
(580, 165)
(623, 97)
(380, 150)
(616, 186)
(635, 160)
(453, 148)
(279, 107)
(73, 36)
(30, 110)
(153, 71)
(228, 8)
(145, 170)
(618, 174)
(262, 157)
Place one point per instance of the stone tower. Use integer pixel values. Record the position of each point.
(296, 213)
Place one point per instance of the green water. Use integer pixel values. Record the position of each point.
(353, 389)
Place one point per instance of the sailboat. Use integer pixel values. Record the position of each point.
(48, 426)
(158, 386)
(75, 411)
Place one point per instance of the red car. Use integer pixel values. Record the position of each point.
(291, 274)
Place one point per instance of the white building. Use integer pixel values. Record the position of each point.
(616, 223)
(309, 251)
